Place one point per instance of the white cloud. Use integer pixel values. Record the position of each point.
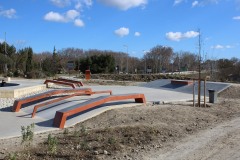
(80, 3)
(204, 2)
(190, 34)
(177, 36)
(236, 18)
(174, 36)
(121, 32)
(218, 46)
(176, 2)
(198, 2)
(54, 16)
(70, 15)
(124, 4)
(61, 3)
(195, 3)
(88, 2)
(10, 13)
(137, 34)
(1, 40)
(78, 23)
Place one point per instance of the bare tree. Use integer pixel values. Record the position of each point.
(159, 57)
(185, 61)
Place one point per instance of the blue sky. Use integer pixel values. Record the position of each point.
(123, 25)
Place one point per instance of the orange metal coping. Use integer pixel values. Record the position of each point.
(18, 103)
(66, 97)
(61, 115)
(79, 83)
(59, 82)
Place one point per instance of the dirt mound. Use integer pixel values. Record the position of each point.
(231, 93)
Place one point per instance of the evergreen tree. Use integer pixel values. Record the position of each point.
(29, 63)
(98, 64)
(56, 66)
(7, 53)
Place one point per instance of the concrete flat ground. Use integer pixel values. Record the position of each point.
(10, 122)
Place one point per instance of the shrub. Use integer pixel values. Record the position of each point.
(52, 144)
(10, 74)
(11, 156)
(27, 133)
(35, 74)
(66, 131)
(112, 140)
(83, 129)
(84, 145)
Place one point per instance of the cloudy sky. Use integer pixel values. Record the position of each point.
(132, 26)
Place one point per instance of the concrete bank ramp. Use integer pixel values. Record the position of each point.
(165, 84)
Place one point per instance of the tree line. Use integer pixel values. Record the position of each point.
(159, 59)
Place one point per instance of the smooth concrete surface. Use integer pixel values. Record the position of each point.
(10, 122)
(165, 84)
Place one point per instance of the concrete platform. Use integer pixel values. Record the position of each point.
(23, 88)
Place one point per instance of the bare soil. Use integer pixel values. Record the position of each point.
(166, 131)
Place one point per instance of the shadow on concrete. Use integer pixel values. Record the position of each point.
(8, 84)
(56, 104)
(47, 123)
(6, 109)
(9, 109)
(41, 100)
(29, 115)
(101, 106)
(49, 106)
(172, 86)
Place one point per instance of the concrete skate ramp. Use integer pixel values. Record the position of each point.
(165, 84)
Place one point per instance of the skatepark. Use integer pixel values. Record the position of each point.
(159, 91)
